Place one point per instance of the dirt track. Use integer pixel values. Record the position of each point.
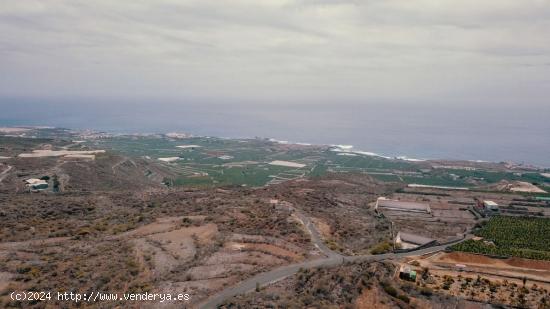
(5, 172)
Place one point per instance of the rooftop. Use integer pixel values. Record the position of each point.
(414, 239)
(33, 181)
(402, 205)
(286, 163)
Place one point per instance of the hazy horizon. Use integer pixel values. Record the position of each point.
(430, 132)
(398, 77)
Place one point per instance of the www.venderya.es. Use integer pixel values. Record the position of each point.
(98, 296)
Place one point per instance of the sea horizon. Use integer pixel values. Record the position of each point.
(426, 132)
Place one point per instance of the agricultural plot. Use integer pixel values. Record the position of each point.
(219, 161)
(512, 236)
(209, 161)
(367, 162)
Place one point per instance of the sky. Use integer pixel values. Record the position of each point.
(491, 52)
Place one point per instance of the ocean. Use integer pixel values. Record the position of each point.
(422, 131)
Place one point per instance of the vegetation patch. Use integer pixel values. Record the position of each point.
(381, 248)
(512, 236)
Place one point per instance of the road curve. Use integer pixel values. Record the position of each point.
(286, 271)
(332, 259)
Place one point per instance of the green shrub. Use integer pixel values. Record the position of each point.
(389, 289)
(382, 248)
(404, 298)
(426, 291)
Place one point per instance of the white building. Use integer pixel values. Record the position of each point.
(395, 205)
(411, 241)
(490, 205)
(36, 184)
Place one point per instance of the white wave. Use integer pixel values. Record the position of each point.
(288, 142)
(370, 154)
(343, 147)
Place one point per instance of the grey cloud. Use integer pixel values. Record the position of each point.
(252, 50)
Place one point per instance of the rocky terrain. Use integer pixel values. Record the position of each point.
(113, 222)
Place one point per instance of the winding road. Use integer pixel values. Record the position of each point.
(332, 259)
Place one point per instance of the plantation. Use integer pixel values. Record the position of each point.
(512, 236)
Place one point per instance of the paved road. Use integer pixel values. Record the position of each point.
(286, 271)
(332, 259)
(265, 279)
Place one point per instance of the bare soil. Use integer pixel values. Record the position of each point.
(475, 259)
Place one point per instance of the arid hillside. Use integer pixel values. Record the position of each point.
(196, 241)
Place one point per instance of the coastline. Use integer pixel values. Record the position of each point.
(344, 149)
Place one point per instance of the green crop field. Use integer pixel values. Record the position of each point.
(219, 161)
(216, 161)
(512, 236)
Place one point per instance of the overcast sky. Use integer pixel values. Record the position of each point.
(445, 52)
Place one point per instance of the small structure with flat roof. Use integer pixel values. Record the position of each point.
(396, 205)
(406, 273)
(412, 241)
(36, 184)
(490, 208)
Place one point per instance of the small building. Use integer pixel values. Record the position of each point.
(490, 205)
(396, 205)
(411, 241)
(36, 184)
(406, 273)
